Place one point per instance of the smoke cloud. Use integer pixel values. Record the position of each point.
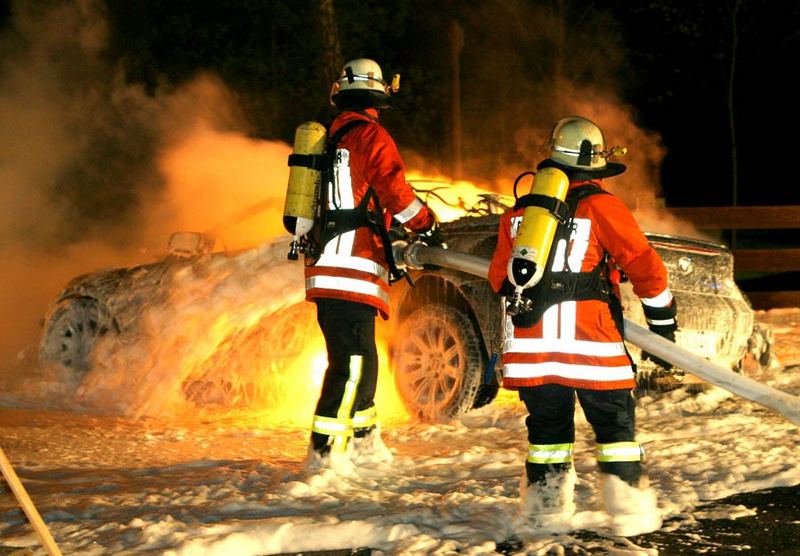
(95, 172)
(525, 66)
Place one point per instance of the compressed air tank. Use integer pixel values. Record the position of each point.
(305, 179)
(537, 230)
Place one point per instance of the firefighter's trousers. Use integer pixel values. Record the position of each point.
(551, 430)
(346, 404)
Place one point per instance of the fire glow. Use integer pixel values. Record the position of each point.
(284, 388)
(234, 332)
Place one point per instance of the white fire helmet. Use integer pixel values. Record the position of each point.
(577, 143)
(363, 76)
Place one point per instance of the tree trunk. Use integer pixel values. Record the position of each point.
(332, 54)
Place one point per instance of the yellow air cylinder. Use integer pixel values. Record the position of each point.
(536, 231)
(304, 180)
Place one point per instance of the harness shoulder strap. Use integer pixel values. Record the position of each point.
(577, 194)
(325, 226)
(556, 287)
(334, 222)
(334, 139)
(594, 284)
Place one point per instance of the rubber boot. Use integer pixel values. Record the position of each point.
(549, 505)
(633, 509)
(336, 456)
(368, 447)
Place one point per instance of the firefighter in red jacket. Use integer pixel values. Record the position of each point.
(350, 281)
(575, 346)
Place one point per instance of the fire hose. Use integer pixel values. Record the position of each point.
(416, 255)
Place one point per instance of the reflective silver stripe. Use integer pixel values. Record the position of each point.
(559, 257)
(620, 451)
(575, 347)
(358, 77)
(580, 238)
(366, 418)
(354, 263)
(515, 223)
(409, 212)
(331, 426)
(341, 196)
(661, 300)
(550, 323)
(550, 453)
(569, 316)
(661, 322)
(347, 285)
(566, 370)
(572, 151)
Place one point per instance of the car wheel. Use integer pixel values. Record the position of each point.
(438, 362)
(234, 377)
(71, 333)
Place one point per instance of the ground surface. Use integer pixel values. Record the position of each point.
(725, 471)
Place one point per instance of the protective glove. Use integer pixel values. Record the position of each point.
(661, 321)
(433, 237)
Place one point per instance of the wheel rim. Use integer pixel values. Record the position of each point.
(430, 363)
(268, 347)
(73, 333)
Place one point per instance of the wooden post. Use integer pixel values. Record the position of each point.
(27, 506)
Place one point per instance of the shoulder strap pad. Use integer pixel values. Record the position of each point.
(582, 191)
(342, 131)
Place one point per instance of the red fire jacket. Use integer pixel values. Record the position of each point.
(353, 265)
(577, 343)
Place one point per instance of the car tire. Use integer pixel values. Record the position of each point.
(438, 362)
(71, 332)
(234, 377)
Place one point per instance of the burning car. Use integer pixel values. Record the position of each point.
(446, 330)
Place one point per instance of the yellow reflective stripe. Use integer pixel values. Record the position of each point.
(332, 426)
(365, 418)
(620, 451)
(549, 453)
(348, 399)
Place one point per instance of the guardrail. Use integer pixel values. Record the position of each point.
(757, 260)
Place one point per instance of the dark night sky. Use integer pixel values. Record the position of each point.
(670, 59)
(682, 91)
(81, 124)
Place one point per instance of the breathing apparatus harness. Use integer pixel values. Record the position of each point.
(332, 222)
(557, 287)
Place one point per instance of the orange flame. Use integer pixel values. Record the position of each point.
(235, 331)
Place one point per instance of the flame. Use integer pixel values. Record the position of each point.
(452, 199)
(293, 391)
(235, 333)
(301, 383)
